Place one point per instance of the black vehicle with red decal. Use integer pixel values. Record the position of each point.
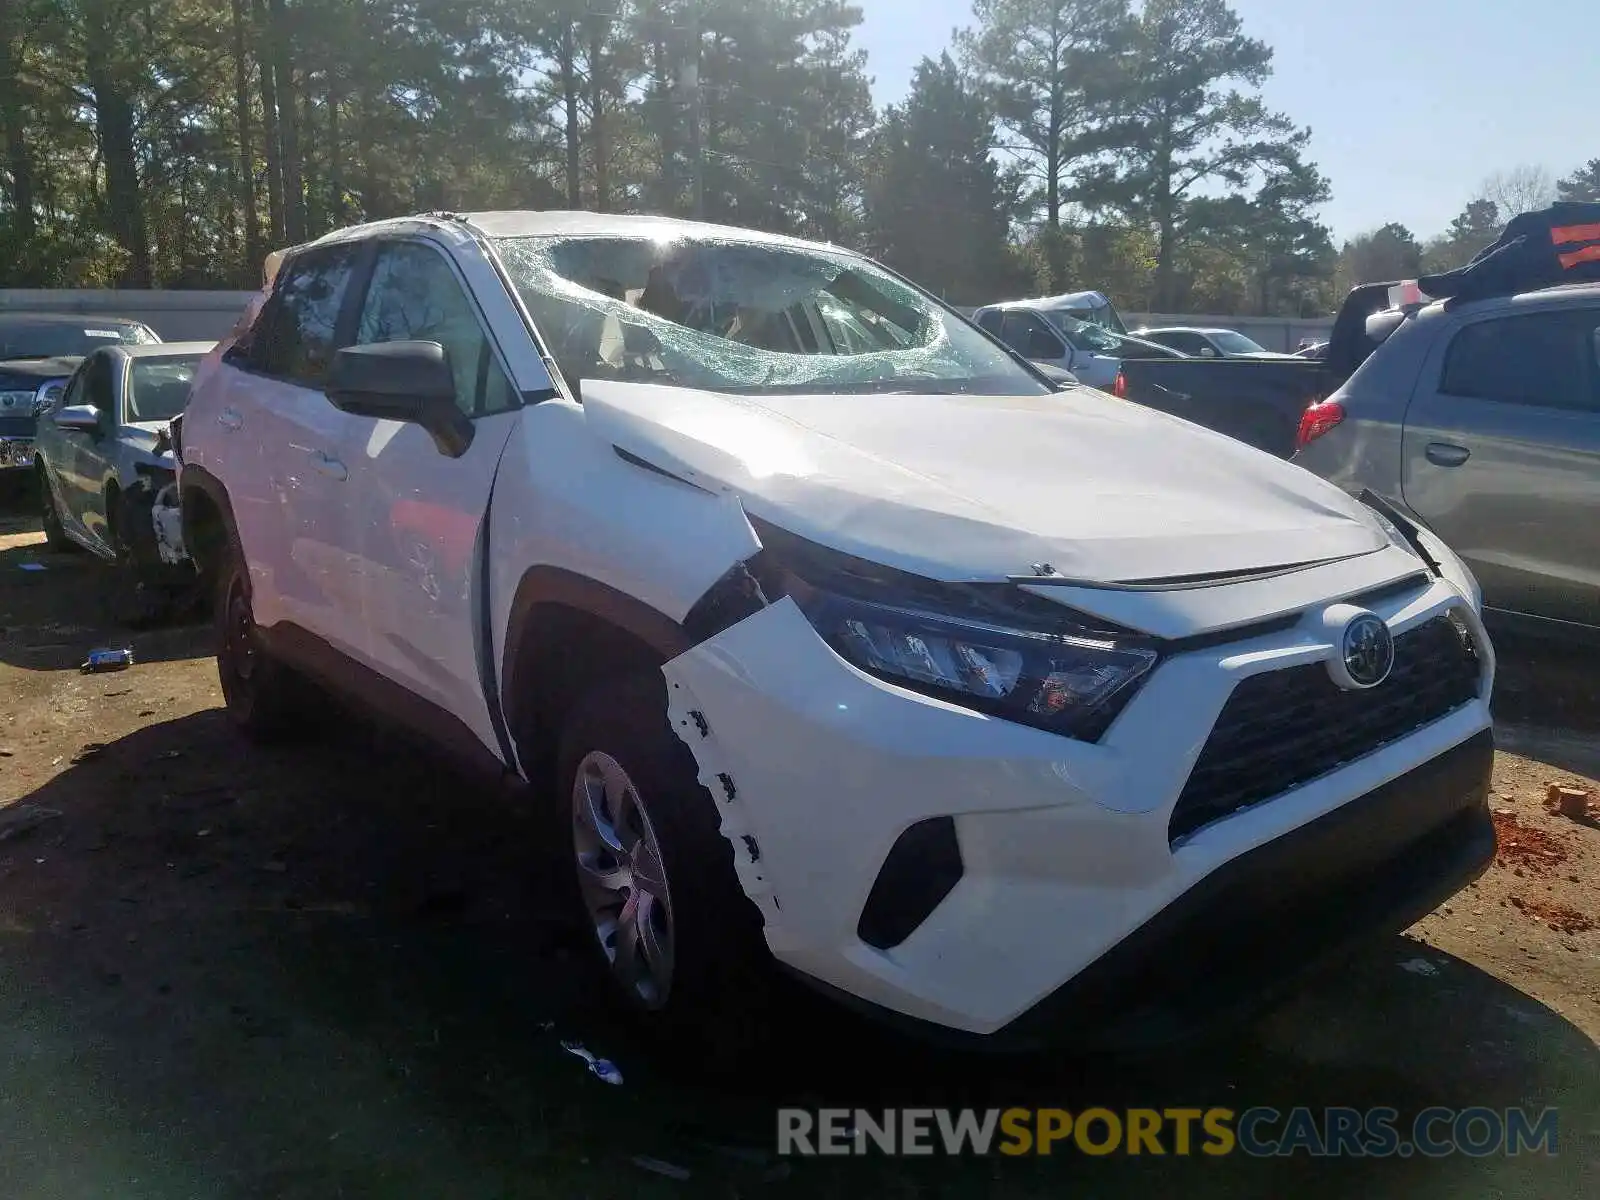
(1265, 402)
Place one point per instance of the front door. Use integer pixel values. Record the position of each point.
(418, 512)
(84, 459)
(1502, 458)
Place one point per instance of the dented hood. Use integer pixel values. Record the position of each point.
(983, 487)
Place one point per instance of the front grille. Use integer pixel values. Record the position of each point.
(1285, 728)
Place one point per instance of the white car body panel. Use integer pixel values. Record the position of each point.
(988, 486)
(415, 553)
(565, 499)
(827, 766)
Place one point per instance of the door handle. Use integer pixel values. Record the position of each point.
(1443, 454)
(330, 467)
(229, 418)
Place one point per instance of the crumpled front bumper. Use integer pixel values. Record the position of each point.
(16, 453)
(817, 769)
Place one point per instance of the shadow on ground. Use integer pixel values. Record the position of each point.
(339, 970)
(39, 633)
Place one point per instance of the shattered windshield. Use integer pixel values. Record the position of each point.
(1090, 338)
(751, 317)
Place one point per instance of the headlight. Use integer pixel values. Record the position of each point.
(988, 647)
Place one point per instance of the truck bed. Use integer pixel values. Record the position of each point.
(1258, 401)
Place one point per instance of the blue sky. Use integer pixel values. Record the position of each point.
(1412, 103)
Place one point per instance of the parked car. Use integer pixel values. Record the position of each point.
(1482, 421)
(1267, 404)
(1049, 336)
(1209, 343)
(1014, 714)
(37, 352)
(108, 476)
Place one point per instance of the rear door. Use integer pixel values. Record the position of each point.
(301, 562)
(1502, 457)
(418, 514)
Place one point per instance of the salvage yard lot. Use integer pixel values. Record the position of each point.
(339, 970)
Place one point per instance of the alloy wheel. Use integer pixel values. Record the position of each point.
(623, 878)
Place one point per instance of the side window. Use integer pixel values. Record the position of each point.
(1545, 360)
(73, 393)
(99, 383)
(298, 330)
(990, 321)
(1027, 333)
(1187, 343)
(414, 296)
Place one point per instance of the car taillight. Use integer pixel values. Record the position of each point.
(1119, 386)
(1317, 420)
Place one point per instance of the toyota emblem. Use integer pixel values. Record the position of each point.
(1365, 652)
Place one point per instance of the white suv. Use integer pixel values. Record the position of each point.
(835, 630)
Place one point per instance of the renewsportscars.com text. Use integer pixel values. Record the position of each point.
(1259, 1132)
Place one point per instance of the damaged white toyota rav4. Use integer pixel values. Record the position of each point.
(836, 632)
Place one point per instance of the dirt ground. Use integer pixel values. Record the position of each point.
(340, 971)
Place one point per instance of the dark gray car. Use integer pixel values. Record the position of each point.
(1482, 420)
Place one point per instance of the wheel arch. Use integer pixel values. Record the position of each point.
(207, 520)
(566, 634)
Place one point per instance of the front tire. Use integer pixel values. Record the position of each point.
(266, 700)
(55, 535)
(653, 877)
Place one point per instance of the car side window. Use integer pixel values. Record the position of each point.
(298, 340)
(1027, 333)
(1545, 360)
(99, 383)
(990, 321)
(415, 296)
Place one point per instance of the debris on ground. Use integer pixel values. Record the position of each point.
(1419, 966)
(1562, 918)
(1570, 802)
(88, 751)
(105, 659)
(654, 1165)
(31, 566)
(601, 1068)
(1526, 847)
(22, 819)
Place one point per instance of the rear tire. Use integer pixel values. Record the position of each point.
(266, 700)
(663, 849)
(55, 535)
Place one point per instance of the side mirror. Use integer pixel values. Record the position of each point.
(1207, 352)
(80, 418)
(402, 381)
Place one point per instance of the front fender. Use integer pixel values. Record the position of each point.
(568, 506)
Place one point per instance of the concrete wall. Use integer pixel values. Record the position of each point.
(176, 316)
(184, 316)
